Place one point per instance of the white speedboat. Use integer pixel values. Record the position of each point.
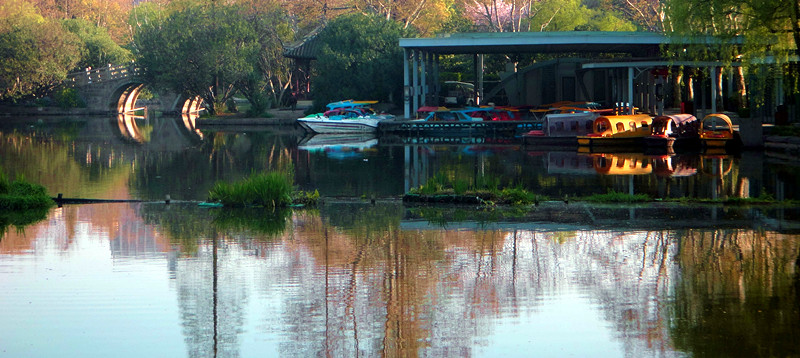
(322, 124)
(344, 117)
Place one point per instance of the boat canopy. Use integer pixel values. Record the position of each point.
(568, 124)
(717, 122)
(674, 124)
(609, 125)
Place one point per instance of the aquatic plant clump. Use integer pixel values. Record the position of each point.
(22, 195)
(441, 189)
(271, 190)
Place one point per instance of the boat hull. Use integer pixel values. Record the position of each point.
(610, 141)
(659, 141)
(715, 142)
(328, 126)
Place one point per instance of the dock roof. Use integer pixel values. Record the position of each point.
(637, 44)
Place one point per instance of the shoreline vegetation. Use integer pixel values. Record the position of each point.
(275, 189)
(441, 190)
(22, 203)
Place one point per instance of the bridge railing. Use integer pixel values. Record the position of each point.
(103, 74)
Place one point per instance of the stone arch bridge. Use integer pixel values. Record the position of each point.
(116, 88)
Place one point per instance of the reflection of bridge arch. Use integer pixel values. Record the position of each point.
(157, 131)
(117, 88)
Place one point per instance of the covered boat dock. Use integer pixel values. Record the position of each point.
(634, 76)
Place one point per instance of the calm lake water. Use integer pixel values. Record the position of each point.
(361, 278)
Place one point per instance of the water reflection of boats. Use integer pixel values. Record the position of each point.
(622, 164)
(338, 146)
(570, 163)
(674, 166)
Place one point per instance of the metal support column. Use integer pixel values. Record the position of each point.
(630, 90)
(406, 87)
(713, 72)
(435, 79)
(423, 69)
(415, 80)
(480, 99)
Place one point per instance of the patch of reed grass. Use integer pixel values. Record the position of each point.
(271, 189)
(617, 197)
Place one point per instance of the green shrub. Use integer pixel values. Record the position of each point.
(21, 195)
(460, 186)
(518, 196)
(5, 185)
(487, 183)
(68, 98)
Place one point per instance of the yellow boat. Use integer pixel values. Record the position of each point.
(716, 131)
(623, 130)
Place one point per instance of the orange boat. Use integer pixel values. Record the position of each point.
(716, 131)
(624, 130)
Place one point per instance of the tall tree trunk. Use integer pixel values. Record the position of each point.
(677, 93)
(742, 87)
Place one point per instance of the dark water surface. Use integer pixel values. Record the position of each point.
(356, 278)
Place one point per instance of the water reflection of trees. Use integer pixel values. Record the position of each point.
(739, 295)
(352, 282)
(63, 167)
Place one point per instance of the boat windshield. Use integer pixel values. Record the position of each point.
(715, 124)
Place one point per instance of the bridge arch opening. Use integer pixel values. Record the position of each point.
(124, 100)
(116, 88)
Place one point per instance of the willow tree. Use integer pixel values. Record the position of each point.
(769, 31)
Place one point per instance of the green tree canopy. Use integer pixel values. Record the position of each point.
(35, 53)
(271, 72)
(768, 27)
(99, 48)
(359, 59)
(573, 15)
(200, 50)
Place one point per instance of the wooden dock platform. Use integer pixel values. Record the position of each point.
(493, 129)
